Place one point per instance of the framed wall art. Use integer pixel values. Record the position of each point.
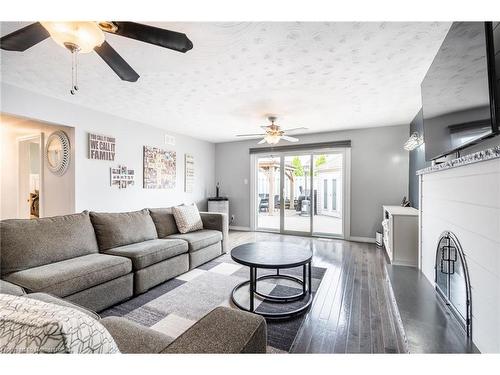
(159, 168)
(101, 147)
(122, 177)
(188, 173)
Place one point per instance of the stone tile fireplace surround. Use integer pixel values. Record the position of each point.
(463, 197)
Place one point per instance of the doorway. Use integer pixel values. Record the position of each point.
(28, 189)
(303, 193)
(29, 174)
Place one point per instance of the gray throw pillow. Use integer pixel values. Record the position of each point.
(187, 218)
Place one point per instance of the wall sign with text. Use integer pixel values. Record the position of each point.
(101, 147)
(188, 173)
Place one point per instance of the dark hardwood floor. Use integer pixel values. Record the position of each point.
(354, 309)
(365, 305)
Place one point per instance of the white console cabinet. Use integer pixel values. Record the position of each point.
(401, 235)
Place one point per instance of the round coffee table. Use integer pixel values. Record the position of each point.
(278, 256)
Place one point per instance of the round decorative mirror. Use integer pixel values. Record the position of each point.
(57, 152)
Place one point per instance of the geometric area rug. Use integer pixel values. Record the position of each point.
(175, 305)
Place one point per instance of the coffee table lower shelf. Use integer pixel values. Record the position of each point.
(287, 314)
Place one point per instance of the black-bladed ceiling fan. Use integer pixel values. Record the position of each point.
(273, 133)
(88, 36)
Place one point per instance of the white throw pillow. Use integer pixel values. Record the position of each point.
(31, 326)
(187, 218)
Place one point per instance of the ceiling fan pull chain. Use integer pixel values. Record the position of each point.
(75, 86)
(74, 72)
(72, 92)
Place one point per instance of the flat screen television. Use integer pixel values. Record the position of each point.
(458, 91)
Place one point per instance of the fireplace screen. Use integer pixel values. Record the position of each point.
(452, 279)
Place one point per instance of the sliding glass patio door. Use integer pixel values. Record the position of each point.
(268, 192)
(328, 187)
(301, 193)
(297, 194)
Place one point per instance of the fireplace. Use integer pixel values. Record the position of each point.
(452, 279)
(461, 196)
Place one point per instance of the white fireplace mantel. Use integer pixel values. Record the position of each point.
(463, 197)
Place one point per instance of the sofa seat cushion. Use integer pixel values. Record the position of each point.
(199, 239)
(73, 275)
(146, 253)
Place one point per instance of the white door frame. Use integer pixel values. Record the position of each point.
(38, 137)
(346, 190)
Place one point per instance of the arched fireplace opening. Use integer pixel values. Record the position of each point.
(452, 279)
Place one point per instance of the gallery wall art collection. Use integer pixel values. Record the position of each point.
(159, 165)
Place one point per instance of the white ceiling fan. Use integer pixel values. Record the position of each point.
(273, 133)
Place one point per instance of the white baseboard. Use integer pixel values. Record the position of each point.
(361, 239)
(352, 238)
(244, 229)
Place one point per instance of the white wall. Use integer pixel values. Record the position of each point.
(58, 191)
(9, 183)
(466, 201)
(93, 191)
(379, 173)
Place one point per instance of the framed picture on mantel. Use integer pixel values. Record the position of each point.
(188, 173)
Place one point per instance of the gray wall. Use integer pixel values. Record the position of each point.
(92, 190)
(379, 173)
(417, 159)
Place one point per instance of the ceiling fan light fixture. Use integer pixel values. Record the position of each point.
(272, 139)
(86, 35)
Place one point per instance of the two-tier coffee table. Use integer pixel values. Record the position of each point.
(276, 256)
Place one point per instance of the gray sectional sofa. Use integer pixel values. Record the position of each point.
(91, 261)
(99, 259)
(223, 330)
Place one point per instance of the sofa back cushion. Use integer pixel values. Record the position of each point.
(164, 221)
(29, 243)
(32, 326)
(119, 229)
